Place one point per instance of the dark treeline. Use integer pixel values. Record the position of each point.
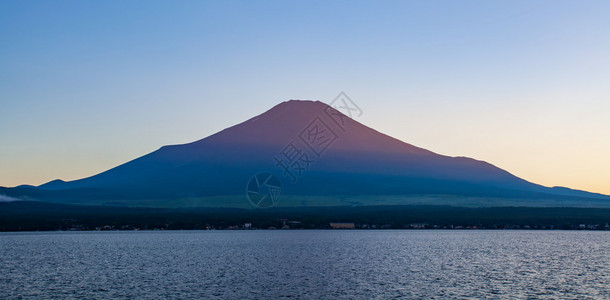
(32, 216)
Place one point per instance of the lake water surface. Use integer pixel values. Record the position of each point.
(316, 264)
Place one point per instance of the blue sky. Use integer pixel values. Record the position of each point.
(85, 86)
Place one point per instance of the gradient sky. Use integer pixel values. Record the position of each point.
(524, 85)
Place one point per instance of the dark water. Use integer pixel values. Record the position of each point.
(306, 264)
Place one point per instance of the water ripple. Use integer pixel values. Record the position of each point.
(306, 265)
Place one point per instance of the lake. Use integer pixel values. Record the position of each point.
(306, 264)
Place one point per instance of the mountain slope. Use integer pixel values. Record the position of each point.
(315, 151)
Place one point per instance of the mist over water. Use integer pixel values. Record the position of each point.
(307, 264)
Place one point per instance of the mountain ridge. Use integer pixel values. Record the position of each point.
(359, 160)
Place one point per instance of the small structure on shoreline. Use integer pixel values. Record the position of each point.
(342, 225)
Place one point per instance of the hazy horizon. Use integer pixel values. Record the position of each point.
(87, 86)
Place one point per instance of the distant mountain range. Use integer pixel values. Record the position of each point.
(321, 157)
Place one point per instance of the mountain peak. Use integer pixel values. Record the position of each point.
(298, 104)
(57, 183)
(302, 101)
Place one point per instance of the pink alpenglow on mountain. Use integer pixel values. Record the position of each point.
(321, 157)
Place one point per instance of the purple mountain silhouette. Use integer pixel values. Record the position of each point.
(315, 151)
